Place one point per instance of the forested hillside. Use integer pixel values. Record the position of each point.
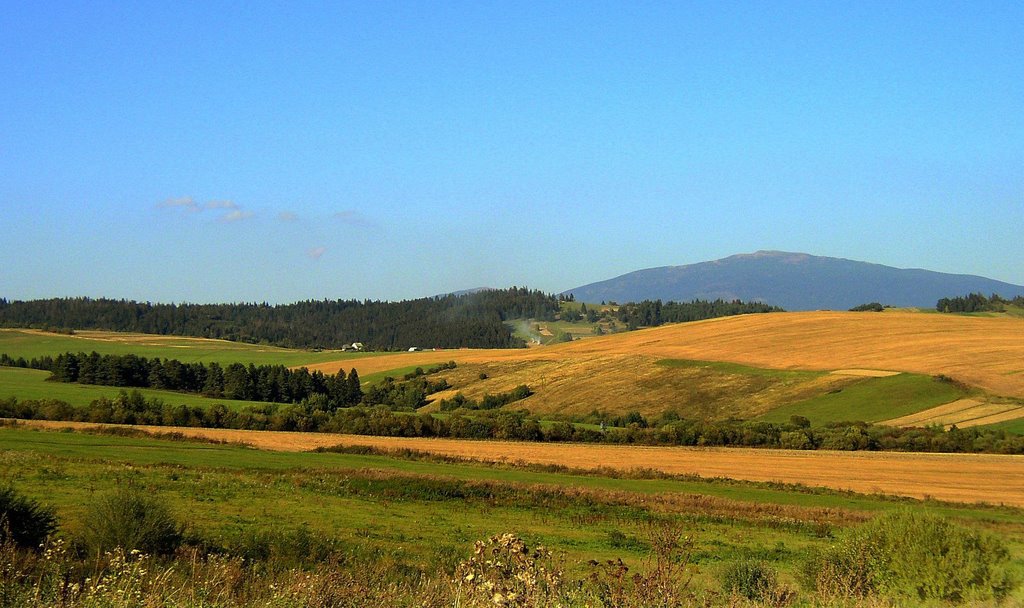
(452, 321)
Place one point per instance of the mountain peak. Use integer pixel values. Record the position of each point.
(787, 256)
(794, 281)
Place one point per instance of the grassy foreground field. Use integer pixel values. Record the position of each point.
(413, 516)
(966, 478)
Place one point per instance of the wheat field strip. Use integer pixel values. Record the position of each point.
(935, 414)
(964, 478)
(1011, 414)
(963, 413)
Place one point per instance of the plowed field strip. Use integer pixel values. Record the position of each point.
(968, 478)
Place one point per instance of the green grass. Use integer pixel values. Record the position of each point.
(1010, 311)
(18, 343)
(145, 451)
(1010, 426)
(871, 400)
(32, 384)
(398, 373)
(430, 513)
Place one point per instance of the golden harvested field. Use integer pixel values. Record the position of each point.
(619, 371)
(966, 478)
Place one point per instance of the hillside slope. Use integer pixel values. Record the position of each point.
(794, 281)
(789, 356)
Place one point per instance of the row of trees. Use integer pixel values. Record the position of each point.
(133, 408)
(653, 313)
(487, 402)
(271, 383)
(451, 321)
(977, 302)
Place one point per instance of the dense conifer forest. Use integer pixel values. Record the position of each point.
(473, 320)
(476, 320)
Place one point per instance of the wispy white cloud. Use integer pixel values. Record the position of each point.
(182, 202)
(220, 205)
(287, 216)
(229, 210)
(235, 216)
(354, 218)
(316, 252)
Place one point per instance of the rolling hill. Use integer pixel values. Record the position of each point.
(839, 364)
(794, 281)
(901, 367)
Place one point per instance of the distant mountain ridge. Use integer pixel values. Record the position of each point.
(794, 281)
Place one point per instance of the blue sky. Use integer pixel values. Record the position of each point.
(284, 151)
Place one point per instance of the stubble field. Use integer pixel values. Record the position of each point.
(966, 478)
(626, 371)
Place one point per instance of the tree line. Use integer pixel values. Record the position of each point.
(131, 407)
(977, 302)
(452, 321)
(271, 383)
(236, 381)
(652, 313)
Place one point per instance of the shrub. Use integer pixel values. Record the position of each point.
(131, 519)
(752, 579)
(23, 520)
(916, 555)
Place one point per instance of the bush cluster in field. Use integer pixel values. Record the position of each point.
(977, 302)
(132, 552)
(487, 402)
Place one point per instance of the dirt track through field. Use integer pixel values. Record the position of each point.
(968, 478)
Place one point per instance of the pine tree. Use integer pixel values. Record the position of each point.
(355, 389)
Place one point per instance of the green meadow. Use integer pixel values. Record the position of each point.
(871, 400)
(30, 344)
(426, 514)
(32, 384)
